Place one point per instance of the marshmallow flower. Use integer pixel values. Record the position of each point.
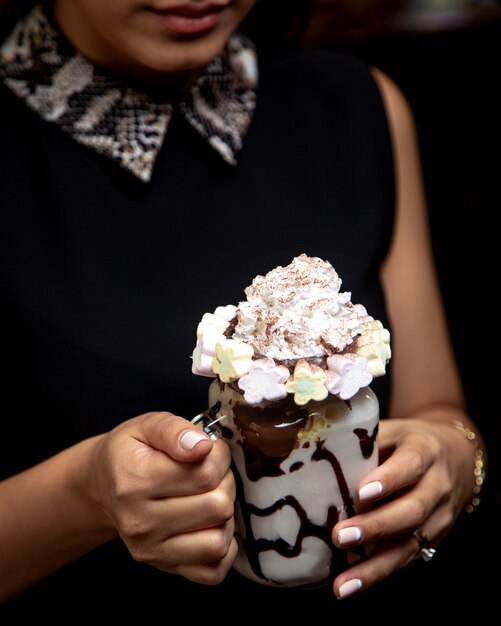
(347, 374)
(203, 354)
(233, 359)
(307, 383)
(209, 332)
(227, 312)
(374, 344)
(212, 323)
(264, 381)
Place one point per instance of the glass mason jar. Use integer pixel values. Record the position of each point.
(297, 469)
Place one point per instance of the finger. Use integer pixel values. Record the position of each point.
(140, 472)
(201, 547)
(175, 436)
(402, 515)
(157, 476)
(386, 559)
(425, 503)
(408, 463)
(164, 518)
(209, 573)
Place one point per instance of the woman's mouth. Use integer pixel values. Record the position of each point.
(190, 19)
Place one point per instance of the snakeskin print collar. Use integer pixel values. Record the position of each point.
(41, 67)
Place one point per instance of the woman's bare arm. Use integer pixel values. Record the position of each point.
(427, 465)
(46, 519)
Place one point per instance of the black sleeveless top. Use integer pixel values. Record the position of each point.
(103, 278)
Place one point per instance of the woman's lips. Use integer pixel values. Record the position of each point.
(190, 19)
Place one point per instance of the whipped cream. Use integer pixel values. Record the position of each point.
(295, 317)
(298, 311)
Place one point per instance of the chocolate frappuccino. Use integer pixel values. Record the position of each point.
(293, 365)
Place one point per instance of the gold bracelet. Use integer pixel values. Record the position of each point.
(479, 469)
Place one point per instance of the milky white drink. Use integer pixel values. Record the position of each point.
(292, 367)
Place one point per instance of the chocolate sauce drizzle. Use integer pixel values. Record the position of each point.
(366, 442)
(254, 547)
(269, 435)
(322, 453)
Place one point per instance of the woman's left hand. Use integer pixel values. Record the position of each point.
(415, 487)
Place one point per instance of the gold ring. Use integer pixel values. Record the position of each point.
(426, 552)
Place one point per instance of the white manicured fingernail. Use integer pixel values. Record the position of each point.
(190, 439)
(349, 535)
(349, 587)
(371, 490)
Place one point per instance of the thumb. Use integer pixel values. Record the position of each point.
(177, 437)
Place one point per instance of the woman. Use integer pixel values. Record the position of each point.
(150, 168)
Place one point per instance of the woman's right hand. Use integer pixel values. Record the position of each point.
(168, 490)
